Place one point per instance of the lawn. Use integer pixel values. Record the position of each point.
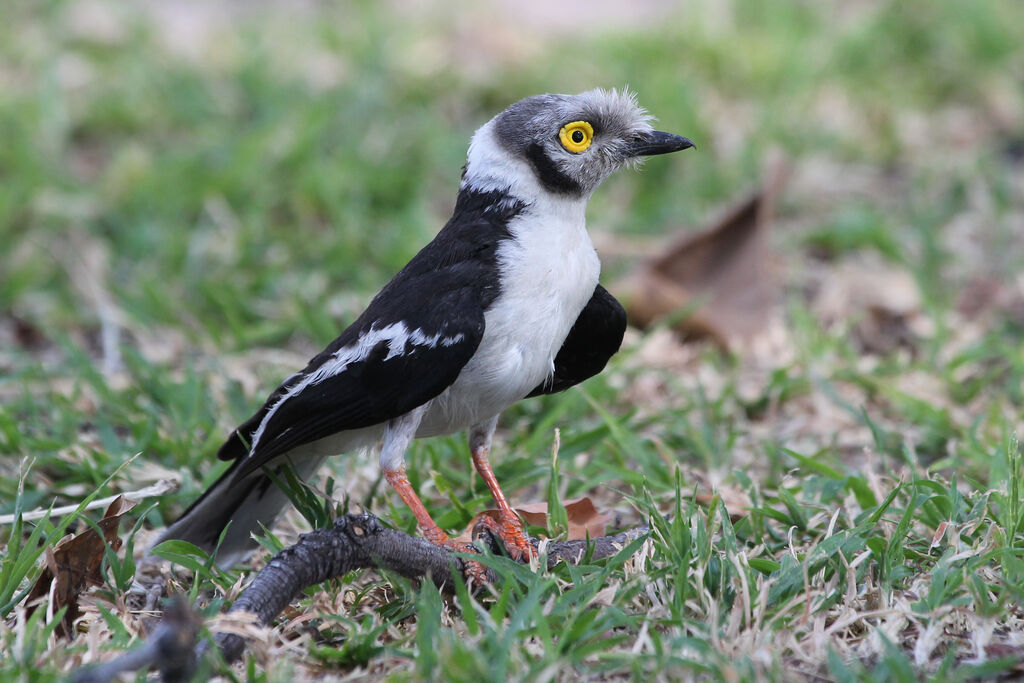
(195, 199)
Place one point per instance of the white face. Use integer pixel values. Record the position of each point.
(567, 144)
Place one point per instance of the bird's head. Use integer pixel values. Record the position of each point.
(564, 144)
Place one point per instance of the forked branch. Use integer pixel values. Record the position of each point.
(356, 541)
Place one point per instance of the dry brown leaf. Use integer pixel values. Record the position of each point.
(74, 564)
(584, 519)
(723, 274)
(986, 294)
(25, 333)
(736, 502)
(882, 303)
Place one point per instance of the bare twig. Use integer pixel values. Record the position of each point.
(356, 541)
(359, 541)
(160, 488)
(170, 649)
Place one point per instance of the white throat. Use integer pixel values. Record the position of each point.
(490, 167)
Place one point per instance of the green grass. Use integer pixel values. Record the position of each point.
(180, 232)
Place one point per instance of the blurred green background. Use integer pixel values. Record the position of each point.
(249, 171)
(196, 197)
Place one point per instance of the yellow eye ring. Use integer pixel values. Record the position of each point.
(576, 136)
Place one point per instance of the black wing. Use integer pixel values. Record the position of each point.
(372, 373)
(594, 338)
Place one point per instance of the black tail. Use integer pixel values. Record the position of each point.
(245, 503)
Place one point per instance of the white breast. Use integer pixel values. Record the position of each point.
(548, 273)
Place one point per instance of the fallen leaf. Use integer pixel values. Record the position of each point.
(880, 302)
(74, 563)
(940, 531)
(986, 295)
(27, 335)
(584, 519)
(719, 280)
(737, 503)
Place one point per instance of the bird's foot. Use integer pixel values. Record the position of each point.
(471, 571)
(509, 529)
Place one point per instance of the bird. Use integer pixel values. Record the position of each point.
(502, 305)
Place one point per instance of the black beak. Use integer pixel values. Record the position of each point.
(656, 142)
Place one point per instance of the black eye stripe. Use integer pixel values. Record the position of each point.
(553, 178)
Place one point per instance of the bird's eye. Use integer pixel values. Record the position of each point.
(576, 136)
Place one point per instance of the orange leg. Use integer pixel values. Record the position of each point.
(400, 483)
(510, 528)
(431, 531)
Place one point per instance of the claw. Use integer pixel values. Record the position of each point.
(512, 536)
(472, 572)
